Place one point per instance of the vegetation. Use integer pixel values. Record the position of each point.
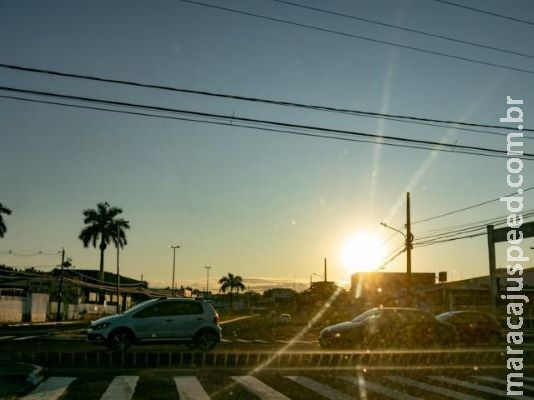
(103, 226)
(232, 282)
(3, 228)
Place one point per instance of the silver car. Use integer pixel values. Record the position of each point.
(189, 321)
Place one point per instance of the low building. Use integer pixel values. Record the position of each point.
(375, 289)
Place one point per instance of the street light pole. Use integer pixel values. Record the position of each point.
(173, 247)
(207, 278)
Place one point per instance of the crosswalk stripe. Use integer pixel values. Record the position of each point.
(51, 389)
(6, 337)
(503, 382)
(25, 338)
(189, 388)
(431, 388)
(374, 387)
(320, 388)
(259, 388)
(480, 388)
(121, 388)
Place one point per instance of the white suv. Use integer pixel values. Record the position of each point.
(189, 321)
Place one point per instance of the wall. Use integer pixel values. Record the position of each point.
(11, 308)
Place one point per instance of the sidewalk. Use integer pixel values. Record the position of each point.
(47, 324)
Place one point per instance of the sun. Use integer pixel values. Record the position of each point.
(362, 252)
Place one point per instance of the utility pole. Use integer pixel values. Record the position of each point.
(118, 275)
(173, 247)
(409, 239)
(325, 270)
(494, 290)
(58, 313)
(207, 278)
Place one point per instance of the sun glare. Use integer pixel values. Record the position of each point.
(362, 252)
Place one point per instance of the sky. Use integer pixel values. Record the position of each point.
(268, 206)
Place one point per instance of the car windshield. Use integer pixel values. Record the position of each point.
(367, 315)
(138, 306)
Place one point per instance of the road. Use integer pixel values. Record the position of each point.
(164, 384)
(242, 367)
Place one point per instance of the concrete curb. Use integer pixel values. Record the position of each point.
(35, 377)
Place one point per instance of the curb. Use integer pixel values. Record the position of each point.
(35, 377)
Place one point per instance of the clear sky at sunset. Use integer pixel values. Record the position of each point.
(261, 204)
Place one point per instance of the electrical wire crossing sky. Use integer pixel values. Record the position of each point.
(262, 137)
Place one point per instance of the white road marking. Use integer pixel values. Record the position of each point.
(526, 378)
(6, 337)
(25, 337)
(320, 388)
(374, 387)
(189, 388)
(121, 388)
(51, 389)
(259, 388)
(431, 388)
(243, 341)
(226, 341)
(480, 388)
(504, 382)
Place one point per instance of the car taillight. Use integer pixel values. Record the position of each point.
(216, 319)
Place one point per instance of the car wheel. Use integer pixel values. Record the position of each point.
(120, 340)
(494, 339)
(206, 341)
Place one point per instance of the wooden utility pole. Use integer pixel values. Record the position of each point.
(492, 270)
(58, 313)
(409, 239)
(118, 275)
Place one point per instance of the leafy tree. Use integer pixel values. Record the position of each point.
(232, 282)
(3, 228)
(103, 226)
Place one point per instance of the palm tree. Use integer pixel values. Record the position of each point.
(102, 225)
(3, 228)
(231, 282)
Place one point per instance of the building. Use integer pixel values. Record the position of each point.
(374, 289)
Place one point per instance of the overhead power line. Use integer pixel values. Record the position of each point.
(256, 99)
(361, 37)
(489, 221)
(403, 28)
(324, 132)
(450, 3)
(478, 226)
(469, 207)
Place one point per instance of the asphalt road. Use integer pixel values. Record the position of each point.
(202, 384)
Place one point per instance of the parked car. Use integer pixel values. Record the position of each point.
(474, 327)
(189, 321)
(389, 327)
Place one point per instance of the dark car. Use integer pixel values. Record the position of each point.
(473, 327)
(389, 327)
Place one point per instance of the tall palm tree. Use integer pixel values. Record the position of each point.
(3, 228)
(231, 282)
(102, 225)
